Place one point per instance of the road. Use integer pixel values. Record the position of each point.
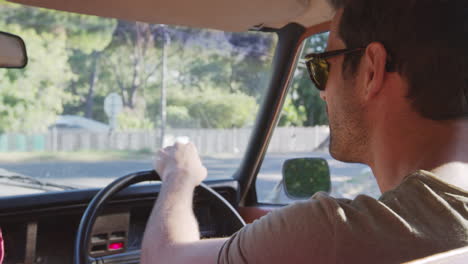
(348, 180)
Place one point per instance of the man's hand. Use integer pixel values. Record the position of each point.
(180, 163)
(172, 234)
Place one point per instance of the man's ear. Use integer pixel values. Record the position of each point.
(375, 58)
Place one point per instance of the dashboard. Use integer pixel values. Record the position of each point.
(41, 228)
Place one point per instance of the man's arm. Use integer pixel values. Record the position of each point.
(172, 234)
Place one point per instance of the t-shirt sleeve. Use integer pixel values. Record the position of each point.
(287, 235)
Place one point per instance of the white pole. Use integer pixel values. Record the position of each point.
(163, 84)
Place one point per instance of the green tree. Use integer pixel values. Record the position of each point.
(132, 59)
(304, 107)
(233, 110)
(30, 99)
(210, 108)
(128, 122)
(291, 114)
(86, 38)
(224, 78)
(198, 65)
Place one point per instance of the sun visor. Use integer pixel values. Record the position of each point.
(318, 12)
(227, 15)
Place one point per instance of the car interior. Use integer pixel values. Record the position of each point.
(106, 225)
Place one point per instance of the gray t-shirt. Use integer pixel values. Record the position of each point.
(420, 217)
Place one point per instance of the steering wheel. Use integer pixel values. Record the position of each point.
(81, 255)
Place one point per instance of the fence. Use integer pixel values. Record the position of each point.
(208, 141)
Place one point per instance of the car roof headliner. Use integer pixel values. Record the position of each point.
(227, 15)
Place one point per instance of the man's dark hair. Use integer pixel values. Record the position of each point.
(428, 44)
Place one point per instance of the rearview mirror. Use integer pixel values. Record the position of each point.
(12, 51)
(305, 176)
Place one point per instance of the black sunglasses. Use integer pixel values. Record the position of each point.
(318, 66)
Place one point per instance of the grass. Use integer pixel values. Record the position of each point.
(83, 156)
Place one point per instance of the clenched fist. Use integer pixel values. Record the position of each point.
(180, 162)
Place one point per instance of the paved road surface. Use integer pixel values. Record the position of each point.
(348, 180)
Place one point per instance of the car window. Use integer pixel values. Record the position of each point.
(303, 131)
(99, 96)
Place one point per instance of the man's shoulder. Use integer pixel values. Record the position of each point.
(404, 218)
(327, 209)
(419, 195)
(421, 187)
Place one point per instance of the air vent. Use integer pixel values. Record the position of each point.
(98, 248)
(117, 235)
(99, 238)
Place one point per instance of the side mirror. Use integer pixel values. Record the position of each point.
(304, 177)
(12, 51)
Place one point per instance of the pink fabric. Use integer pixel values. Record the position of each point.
(1, 247)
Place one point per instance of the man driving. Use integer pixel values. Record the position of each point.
(395, 82)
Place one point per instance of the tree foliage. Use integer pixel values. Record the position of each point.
(212, 108)
(304, 107)
(31, 98)
(85, 39)
(215, 79)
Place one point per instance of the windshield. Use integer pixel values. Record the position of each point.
(99, 96)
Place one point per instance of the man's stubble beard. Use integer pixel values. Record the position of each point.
(348, 133)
